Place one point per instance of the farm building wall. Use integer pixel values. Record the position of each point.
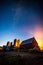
(29, 45)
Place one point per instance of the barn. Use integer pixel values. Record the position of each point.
(29, 43)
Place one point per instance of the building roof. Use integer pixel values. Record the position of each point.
(27, 41)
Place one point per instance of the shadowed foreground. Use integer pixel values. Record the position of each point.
(21, 59)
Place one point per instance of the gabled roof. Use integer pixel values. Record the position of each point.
(27, 41)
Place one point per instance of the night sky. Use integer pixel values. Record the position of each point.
(21, 19)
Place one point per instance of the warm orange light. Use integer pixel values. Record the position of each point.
(40, 44)
(1, 48)
(38, 34)
(17, 45)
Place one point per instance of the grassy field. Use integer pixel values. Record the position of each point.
(21, 58)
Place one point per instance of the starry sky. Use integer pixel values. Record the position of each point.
(21, 19)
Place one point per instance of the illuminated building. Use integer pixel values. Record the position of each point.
(8, 44)
(29, 44)
(1, 48)
(16, 43)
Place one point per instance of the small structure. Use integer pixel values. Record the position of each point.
(36, 48)
(1, 48)
(16, 43)
(11, 45)
(8, 44)
(29, 44)
(6, 48)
